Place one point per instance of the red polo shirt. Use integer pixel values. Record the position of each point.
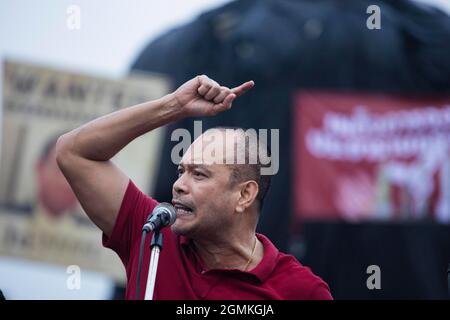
(180, 272)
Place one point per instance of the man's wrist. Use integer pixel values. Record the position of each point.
(172, 106)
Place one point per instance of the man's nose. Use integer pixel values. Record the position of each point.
(180, 186)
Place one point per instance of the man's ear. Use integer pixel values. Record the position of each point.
(247, 196)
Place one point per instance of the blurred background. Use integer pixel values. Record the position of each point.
(360, 91)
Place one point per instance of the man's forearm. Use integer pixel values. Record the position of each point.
(102, 138)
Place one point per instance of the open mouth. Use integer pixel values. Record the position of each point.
(182, 209)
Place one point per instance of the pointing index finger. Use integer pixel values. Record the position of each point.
(243, 88)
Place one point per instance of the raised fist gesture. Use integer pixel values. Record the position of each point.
(202, 96)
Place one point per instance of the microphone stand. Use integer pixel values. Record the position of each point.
(156, 247)
(163, 214)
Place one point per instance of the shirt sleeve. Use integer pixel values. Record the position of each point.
(135, 208)
(320, 292)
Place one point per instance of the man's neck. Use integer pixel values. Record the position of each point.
(235, 252)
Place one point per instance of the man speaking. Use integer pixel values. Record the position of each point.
(212, 250)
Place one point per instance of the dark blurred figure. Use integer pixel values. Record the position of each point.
(285, 45)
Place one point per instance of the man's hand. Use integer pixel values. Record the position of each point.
(203, 96)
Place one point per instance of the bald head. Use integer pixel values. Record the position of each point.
(240, 151)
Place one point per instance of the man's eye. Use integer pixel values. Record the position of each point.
(180, 172)
(199, 174)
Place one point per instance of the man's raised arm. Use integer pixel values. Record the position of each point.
(84, 154)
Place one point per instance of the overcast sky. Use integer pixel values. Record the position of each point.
(112, 31)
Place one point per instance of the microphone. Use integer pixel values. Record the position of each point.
(163, 215)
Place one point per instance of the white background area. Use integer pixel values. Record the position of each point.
(111, 36)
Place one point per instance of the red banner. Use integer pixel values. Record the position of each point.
(371, 157)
